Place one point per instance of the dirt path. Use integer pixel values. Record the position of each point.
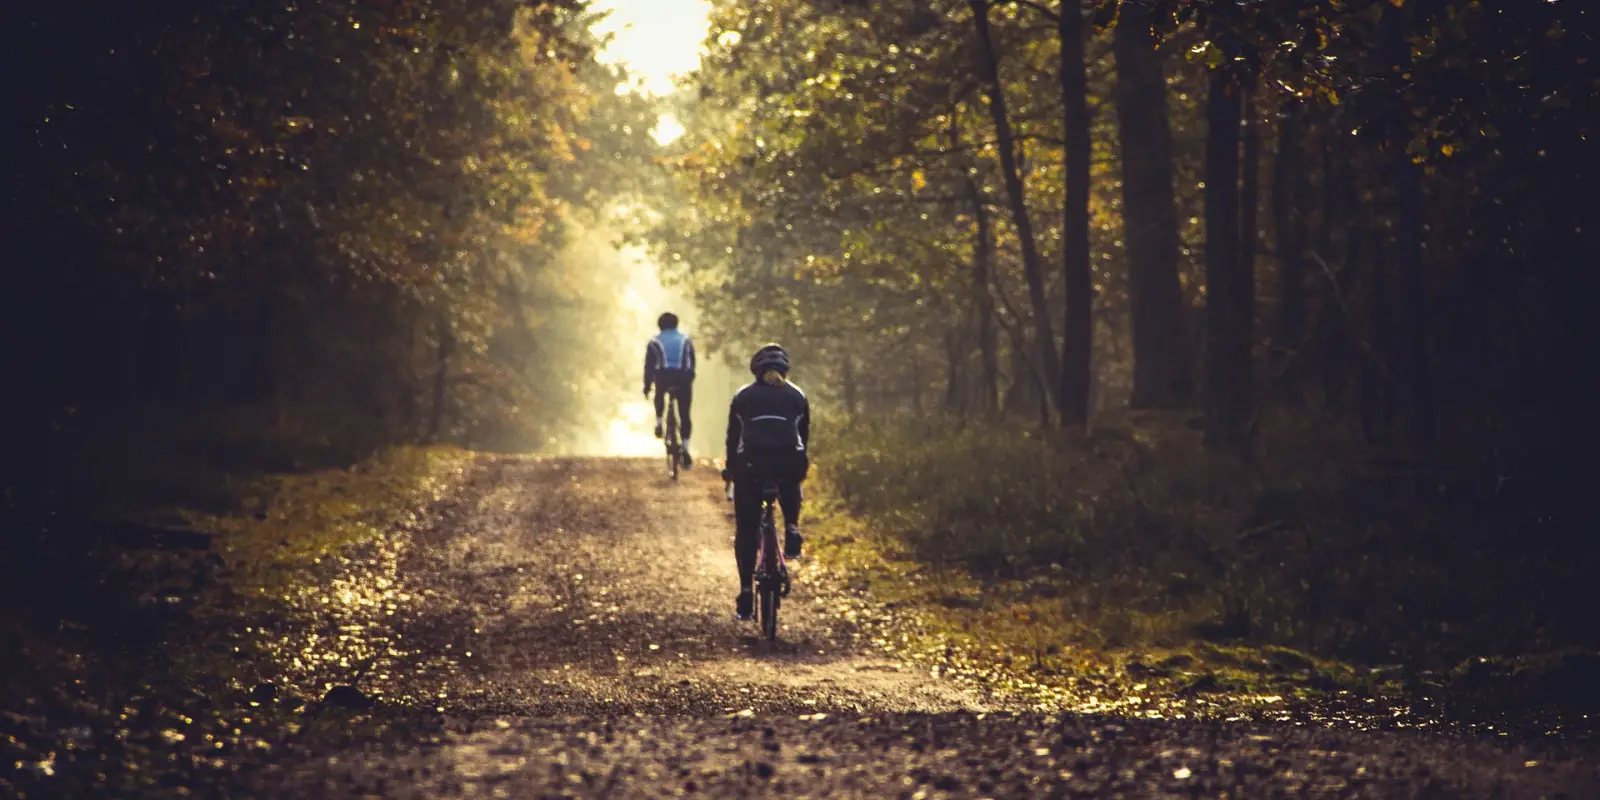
(597, 586)
(569, 633)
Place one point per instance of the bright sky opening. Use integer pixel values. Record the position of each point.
(656, 40)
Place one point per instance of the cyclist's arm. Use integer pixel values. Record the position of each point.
(650, 364)
(688, 356)
(805, 422)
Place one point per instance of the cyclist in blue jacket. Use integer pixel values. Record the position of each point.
(669, 366)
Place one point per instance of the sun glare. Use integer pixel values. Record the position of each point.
(630, 433)
(667, 129)
(655, 39)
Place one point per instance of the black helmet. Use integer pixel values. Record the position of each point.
(667, 320)
(770, 357)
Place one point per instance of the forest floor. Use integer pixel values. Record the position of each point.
(523, 626)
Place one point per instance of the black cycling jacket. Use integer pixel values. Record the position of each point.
(767, 421)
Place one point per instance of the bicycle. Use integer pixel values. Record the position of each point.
(772, 582)
(674, 447)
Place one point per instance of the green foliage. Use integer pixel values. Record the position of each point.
(354, 215)
(840, 191)
(1138, 536)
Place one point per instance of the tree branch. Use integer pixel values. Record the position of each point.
(1044, 11)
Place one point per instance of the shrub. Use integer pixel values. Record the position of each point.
(1307, 544)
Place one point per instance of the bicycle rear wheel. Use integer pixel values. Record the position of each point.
(673, 448)
(769, 611)
(769, 582)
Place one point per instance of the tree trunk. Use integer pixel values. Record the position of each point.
(1404, 176)
(1162, 352)
(983, 254)
(1288, 223)
(914, 382)
(1078, 326)
(406, 387)
(1413, 323)
(1337, 205)
(849, 381)
(1249, 194)
(988, 394)
(953, 374)
(1376, 394)
(441, 376)
(1033, 271)
(1336, 327)
(1228, 293)
(1023, 391)
(1249, 224)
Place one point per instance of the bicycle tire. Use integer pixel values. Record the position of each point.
(673, 448)
(770, 581)
(769, 612)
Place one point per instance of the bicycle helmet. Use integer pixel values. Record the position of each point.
(667, 320)
(770, 357)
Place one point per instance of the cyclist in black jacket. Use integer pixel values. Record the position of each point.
(769, 428)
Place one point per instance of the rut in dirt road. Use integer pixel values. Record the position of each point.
(598, 586)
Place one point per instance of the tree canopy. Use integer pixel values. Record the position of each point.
(891, 188)
(351, 214)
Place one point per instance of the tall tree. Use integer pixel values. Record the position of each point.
(988, 389)
(1405, 180)
(1163, 370)
(1078, 327)
(1033, 267)
(1228, 290)
(1288, 224)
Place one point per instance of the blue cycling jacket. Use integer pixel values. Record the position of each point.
(670, 355)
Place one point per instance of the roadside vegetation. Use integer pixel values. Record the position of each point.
(1170, 326)
(271, 267)
(146, 644)
(1131, 554)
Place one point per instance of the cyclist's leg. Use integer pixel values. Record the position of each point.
(685, 395)
(683, 392)
(789, 498)
(661, 405)
(747, 529)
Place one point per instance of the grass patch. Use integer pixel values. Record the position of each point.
(273, 488)
(156, 651)
(287, 521)
(1132, 552)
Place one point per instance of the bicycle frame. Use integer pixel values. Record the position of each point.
(772, 582)
(772, 571)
